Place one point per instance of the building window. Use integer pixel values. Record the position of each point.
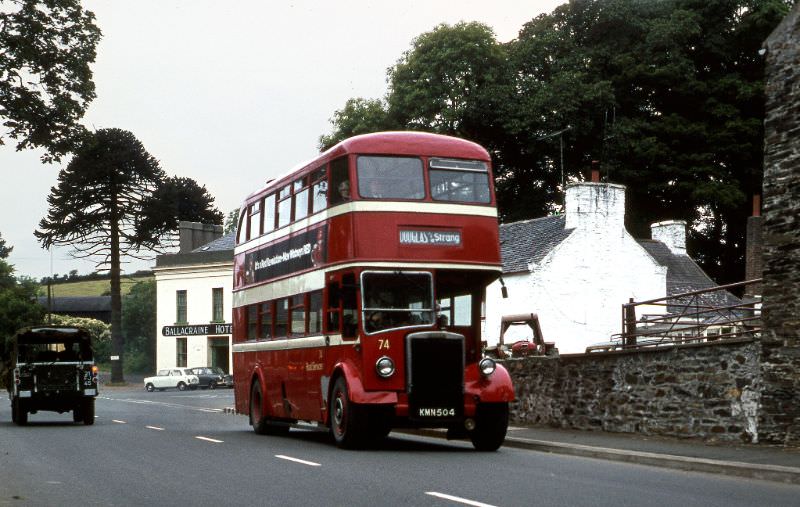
(180, 352)
(217, 308)
(180, 307)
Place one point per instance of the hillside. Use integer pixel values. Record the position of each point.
(92, 287)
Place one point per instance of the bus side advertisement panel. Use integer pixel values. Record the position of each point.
(300, 252)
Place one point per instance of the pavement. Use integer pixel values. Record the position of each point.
(756, 461)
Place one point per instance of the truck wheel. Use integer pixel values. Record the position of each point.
(88, 412)
(181, 386)
(491, 424)
(77, 414)
(150, 388)
(19, 413)
(347, 420)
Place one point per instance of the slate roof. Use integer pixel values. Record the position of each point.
(684, 275)
(222, 243)
(218, 250)
(527, 241)
(530, 241)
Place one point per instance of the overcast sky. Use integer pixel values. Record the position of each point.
(231, 93)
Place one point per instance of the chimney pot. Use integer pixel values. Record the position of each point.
(757, 205)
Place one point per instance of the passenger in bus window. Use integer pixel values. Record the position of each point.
(376, 321)
(344, 190)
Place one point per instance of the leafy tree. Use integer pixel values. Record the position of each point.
(45, 80)
(175, 199)
(5, 251)
(139, 326)
(450, 81)
(99, 331)
(667, 95)
(232, 220)
(359, 116)
(99, 204)
(18, 306)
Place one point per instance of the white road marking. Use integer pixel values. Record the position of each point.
(209, 440)
(154, 428)
(296, 460)
(165, 404)
(458, 499)
(118, 421)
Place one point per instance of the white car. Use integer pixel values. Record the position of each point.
(178, 378)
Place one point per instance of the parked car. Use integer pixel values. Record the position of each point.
(178, 378)
(212, 377)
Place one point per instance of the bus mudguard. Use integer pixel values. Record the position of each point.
(497, 387)
(356, 387)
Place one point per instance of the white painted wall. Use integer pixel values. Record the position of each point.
(198, 282)
(578, 289)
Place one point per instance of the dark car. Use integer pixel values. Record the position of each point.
(212, 377)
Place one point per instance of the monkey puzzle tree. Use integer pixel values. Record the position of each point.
(103, 197)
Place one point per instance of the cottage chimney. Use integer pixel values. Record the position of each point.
(754, 246)
(599, 206)
(672, 233)
(595, 173)
(194, 235)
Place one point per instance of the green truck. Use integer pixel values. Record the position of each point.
(51, 368)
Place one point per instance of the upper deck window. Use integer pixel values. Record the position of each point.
(459, 180)
(390, 177)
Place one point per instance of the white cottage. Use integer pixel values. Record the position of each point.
(194, 301)
(576, 270)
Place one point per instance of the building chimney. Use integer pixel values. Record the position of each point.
(753, 249)
(595, 173)
(672, 233)
(599, 206)
(194, 235)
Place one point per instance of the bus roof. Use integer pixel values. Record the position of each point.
(388, 143)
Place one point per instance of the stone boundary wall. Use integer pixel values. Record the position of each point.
(780, 404)
(710, 391)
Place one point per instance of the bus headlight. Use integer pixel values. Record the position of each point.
(487, 366)
(384, 367)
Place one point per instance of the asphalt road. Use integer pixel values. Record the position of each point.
(179, 448)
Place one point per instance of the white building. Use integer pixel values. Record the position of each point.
(576, 270)
(194, 300)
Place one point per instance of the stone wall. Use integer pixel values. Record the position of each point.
(780, 410)
(708, 391)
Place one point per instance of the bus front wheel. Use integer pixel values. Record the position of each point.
(491, 424)
(347, 421)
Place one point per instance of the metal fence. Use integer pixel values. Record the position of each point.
(691, 317)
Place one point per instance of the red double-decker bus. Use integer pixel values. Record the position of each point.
(358, 284)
